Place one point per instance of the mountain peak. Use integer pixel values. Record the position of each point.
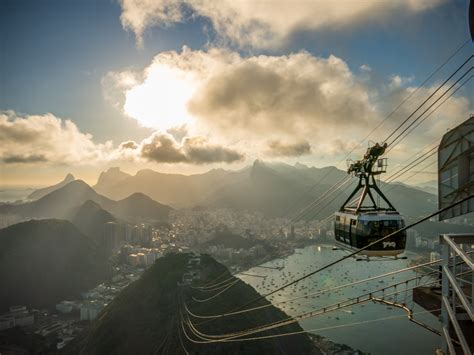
(114, 169)
(37, 194)
(138, 196)
(110, 177)
(78, 183)
(69, 177)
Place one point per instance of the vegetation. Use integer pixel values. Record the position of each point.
(90, 219)
(223, 236)
(145, 317)
(46, 261)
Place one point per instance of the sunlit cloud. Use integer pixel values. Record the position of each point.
(47, 139)
(218, 92)
(163, 148)
(33, 139)
(289, 99)
(160, 100)
(267, 23)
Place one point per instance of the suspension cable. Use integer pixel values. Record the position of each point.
(432, 104)
(332, 289)
(353, 253)
(429, 97)
(311, 314)
(199, 300)
(436, 108)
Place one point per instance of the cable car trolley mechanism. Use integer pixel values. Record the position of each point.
(357, 225)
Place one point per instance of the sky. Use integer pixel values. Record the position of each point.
(189, 85)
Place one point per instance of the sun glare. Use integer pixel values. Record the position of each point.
(160, 101)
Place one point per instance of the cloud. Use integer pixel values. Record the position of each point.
(128, 145)
(267, 23)
(23, 159)
(162, 148)
(200, 151)
(46, 139)
(231, 94)
(280, 149)
(34, 139)
(289, 94)
(115, 84)
(140, 14)
(288, 98)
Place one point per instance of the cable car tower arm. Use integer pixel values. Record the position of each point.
(366, 170)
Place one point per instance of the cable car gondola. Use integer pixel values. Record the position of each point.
(356, 225)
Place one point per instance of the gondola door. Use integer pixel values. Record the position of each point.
(353, 232)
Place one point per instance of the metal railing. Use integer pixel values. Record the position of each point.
(457, 291)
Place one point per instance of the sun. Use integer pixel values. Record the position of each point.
(161, 100)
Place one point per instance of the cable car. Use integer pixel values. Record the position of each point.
(357, 225)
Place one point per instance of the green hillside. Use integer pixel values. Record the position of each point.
(90, 219)
(46, 261)
(145, 317)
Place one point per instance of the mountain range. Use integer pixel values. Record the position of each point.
(173, 189)
(64, 202)
(274, 189)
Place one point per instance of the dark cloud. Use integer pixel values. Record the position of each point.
(289, 95)
(280, 149)
(23, 159)
(163, 148)
(199, 151)
(128, 145)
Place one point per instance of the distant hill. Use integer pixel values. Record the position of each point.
(273, 190)
(90, 219)
(145, 317)
(228, 239)
(410, 201)
(428, 186)
(45, 261)
(64, 202)
(35, 195)
(139, 206)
